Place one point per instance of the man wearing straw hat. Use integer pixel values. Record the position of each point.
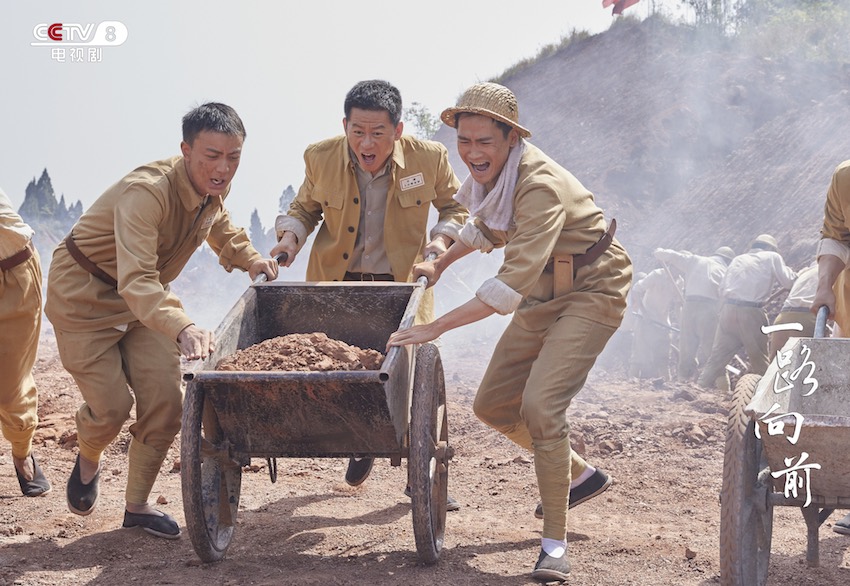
(702, 275)
(372, 189)
(564, 277)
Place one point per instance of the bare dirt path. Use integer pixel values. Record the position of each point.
(658, 524)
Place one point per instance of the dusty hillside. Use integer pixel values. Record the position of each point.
(662, 122)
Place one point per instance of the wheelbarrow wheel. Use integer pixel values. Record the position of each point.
(211, 479)
(428, 464)
(746, 515)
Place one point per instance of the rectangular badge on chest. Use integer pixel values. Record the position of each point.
(412, 181)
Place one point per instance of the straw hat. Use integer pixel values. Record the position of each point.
(487, 99)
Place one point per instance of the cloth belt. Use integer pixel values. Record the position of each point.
(87, 264)
(368, 277)
(7, 264)
(591, 254)
(700, 298)
(796, 309)
(743, 303)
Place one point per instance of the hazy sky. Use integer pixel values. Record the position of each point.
(284, 66)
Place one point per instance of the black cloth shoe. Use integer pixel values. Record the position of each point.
(81, 497)
(549, 569)
(842, 526)
(161, 526)
(593, 486)
(39, 484)
(358, 470)
(451, 504)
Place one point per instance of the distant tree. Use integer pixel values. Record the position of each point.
(286, 198)
(425, 124)
(814, 30)
(262, 239)
(39, 200)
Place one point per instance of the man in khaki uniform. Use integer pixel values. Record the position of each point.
(565, 277)
(833, 256)
(372, 189)
(702, 276)
(746, 287)
(20, 322)
(117, 323)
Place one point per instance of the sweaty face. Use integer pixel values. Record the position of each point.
(211, 161)
(371, 136)
(483, 147)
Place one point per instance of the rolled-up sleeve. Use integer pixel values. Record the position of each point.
(499, 296)
(473, 237)
(828, 246)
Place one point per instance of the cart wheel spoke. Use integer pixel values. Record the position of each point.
(211, 480)
(428, 466)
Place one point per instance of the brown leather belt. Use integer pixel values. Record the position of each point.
(368, 277)
(592, 253)
(87, 264)
(7, 264)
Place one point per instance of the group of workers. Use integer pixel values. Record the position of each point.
(718, 305)
(121, 332)
(565, 278)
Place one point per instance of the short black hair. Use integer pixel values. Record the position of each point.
(214, 117)
(505, 128)
(374, 94)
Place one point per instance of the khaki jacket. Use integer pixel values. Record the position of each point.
(555, 215)
(141, 231)
(421, 175)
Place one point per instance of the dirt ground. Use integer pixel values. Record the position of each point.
(658, 524)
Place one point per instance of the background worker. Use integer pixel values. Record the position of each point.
(564, 277)
(652, 298)
(797, 309)
(702, 276)
(372, 189)
(118, 325)
(20, 324)
(746, 287)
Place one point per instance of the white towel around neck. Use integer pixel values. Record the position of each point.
(496, 208)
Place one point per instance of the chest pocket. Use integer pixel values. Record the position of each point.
(420, 196)
(328, 198)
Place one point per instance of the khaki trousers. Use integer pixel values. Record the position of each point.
(699, 324)
(20, 324)
(739, 327)
(529, 384)
(106, 364)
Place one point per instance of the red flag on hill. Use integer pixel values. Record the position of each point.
(619, 5)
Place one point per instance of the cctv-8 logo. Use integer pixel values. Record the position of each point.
(108, 33)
